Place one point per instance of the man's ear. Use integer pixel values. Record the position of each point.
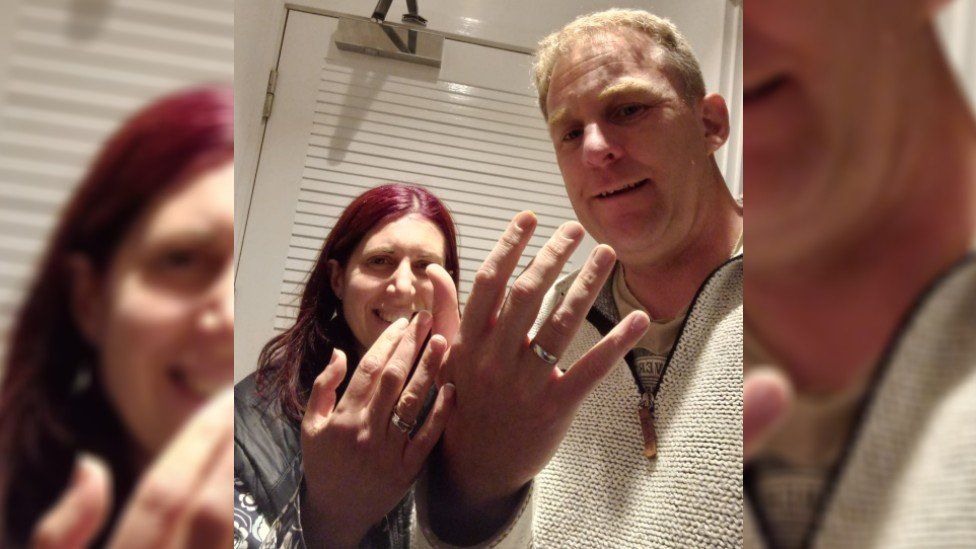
(715, 119)
(335, 277)
(935, 6)
(87, 298)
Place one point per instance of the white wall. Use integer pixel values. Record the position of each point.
(957, 24)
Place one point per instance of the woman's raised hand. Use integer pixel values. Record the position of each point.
(359, 457)
(183, 500)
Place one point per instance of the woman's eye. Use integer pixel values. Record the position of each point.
(379, 260)
(178, 259)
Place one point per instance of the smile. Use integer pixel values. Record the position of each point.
(623, 189)
(392, 315)
(200, 386)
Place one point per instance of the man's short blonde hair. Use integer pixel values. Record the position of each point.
(678, 58)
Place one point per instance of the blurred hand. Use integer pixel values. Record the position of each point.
(358, 464)
(767, 397)
(183, 500)
(513, 408)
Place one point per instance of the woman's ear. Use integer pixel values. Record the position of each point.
(335, 277)
(87, 299)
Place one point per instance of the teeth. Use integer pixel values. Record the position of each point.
(605, 194)
(393, 316)
(200, 386)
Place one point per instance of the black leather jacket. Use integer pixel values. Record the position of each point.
(268, 466)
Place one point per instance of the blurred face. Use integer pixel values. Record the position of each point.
(163, 318)
(633, 154)
(386, 277)
(826, 96)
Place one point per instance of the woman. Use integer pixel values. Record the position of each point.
(342, 443)
(125, 335)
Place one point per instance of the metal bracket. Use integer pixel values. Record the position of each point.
(390, 40)
(269, 95)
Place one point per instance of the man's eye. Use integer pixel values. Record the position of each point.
(572, 134)
(628, 111)
(378, 260)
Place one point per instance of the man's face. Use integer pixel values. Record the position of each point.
(634, 155)
(824, 112)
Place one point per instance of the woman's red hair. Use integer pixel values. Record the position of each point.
(44, 419)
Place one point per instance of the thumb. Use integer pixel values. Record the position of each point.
(82, 510)
(323, 398)
(767, 398)
(447, 316)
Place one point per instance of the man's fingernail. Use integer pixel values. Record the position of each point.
(524, 220)
(640, 323)
(573, 231)
(602, 256)
(449, 390)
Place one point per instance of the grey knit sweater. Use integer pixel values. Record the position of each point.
(600, 491)
(908, 478)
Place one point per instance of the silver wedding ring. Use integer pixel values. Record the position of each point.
(403, 426)
(545, 355)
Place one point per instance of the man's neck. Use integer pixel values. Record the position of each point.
(829, 320)
(665, 287)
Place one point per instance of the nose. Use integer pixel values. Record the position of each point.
(403, 282)
(599, 149)
(217, 317)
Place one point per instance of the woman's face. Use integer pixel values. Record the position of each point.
(386, 277)
(162, 316)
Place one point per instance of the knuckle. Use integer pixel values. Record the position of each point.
(395, 372)
(553, 251)
(561, 322)
(320, 384)
(523, 290)
(370, 365)
(587, 281)
(408, 403)
(487, 275)
(510, 239)
(162, 498)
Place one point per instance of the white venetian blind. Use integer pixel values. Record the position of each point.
(76, 70)
(484, 152)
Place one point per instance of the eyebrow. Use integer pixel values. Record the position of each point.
(557, 117)
(389, 251)
(625, 86)
(628, 85)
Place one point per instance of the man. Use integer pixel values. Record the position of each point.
(861, 328)
(556, 439)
